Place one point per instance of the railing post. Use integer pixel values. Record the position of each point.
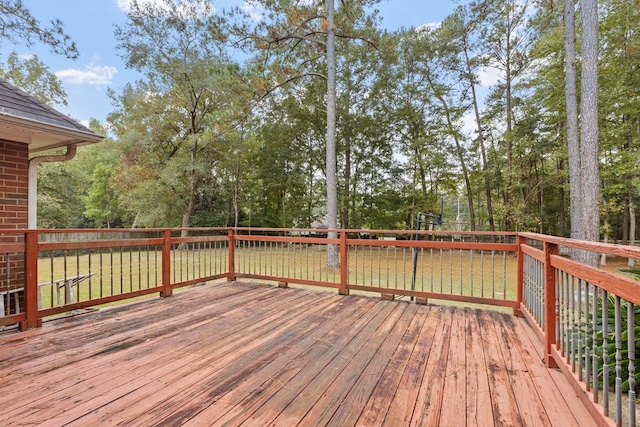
(344, 268)
(231, 277)
(167, 290)
(31, 281)
(550, 313)
(520, 279)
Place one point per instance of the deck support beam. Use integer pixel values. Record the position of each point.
(167, 290)
(550, 306)
(344, 268)
(31, 282)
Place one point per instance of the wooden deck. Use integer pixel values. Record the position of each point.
(252, 354)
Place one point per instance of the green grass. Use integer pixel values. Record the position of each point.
(123, 270)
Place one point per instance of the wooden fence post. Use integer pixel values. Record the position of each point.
(167, 290)
(344, 268)
(550, 313)
(31, 281)
(520, 276)
(231, 277)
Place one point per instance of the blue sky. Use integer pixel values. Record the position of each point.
(90, 23)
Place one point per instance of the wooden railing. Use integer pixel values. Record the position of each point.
(586, 317)
(67, 270)
(469, 267)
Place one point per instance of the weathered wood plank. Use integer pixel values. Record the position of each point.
(250, 390)
(395, 395)
(244, 400)
(38, 350)
(556, 394)
(145, 367)
(253, 354)
(209, 367)
(128, 345)
(454, 397)
(479, 408)
(404, 401)
(326, 391)
(503, 403)
(530, 408)
(391, 358)
(429, 399)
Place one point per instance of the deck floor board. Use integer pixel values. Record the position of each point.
(253, 354)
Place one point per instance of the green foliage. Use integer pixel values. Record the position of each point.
(64, 187)
(103, 202)
(205, 140)
(34, 77)
(624, 344)
(170, 122)
(18, 25)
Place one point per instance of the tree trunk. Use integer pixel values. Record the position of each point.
(632, 230)
(573, 144)
(236, 196)
(483, 151)
(347, 176)
(561, 204)
(509, 137)
(589, 145)
(188, 212)
(460, 153)
(332, 188)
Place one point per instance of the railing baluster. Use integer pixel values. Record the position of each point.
(574, 326)
(587, 339)
(504, 275)
(618, 332)
(431, 267)
(579, 329)
(471, 269)
(481, 273)
(631, 356)
(594, 341)
(460, 260)
(558, 321)
(605, 352)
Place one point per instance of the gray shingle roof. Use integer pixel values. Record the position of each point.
(18, 103)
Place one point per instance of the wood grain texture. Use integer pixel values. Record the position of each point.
(254, 354)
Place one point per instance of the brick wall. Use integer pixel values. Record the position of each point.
(14, 174)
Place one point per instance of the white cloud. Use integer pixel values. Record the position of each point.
(489, 76)
(125, 5)
(429, 26)
(202, 6)
(91, 75)
(469, 125)
(253, 10)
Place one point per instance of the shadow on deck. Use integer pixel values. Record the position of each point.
(253, 354)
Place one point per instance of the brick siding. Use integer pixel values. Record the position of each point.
(14, 177)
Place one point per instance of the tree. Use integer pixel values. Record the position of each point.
(181, 107)
(508, 43)
(589, 123)
(292, 42)
(332, 184)
(18, 25)
(573, 143)
(103, 202)
(404, 100)
(34, 77)
(465, 23)
(619, 133)
(64, 186)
